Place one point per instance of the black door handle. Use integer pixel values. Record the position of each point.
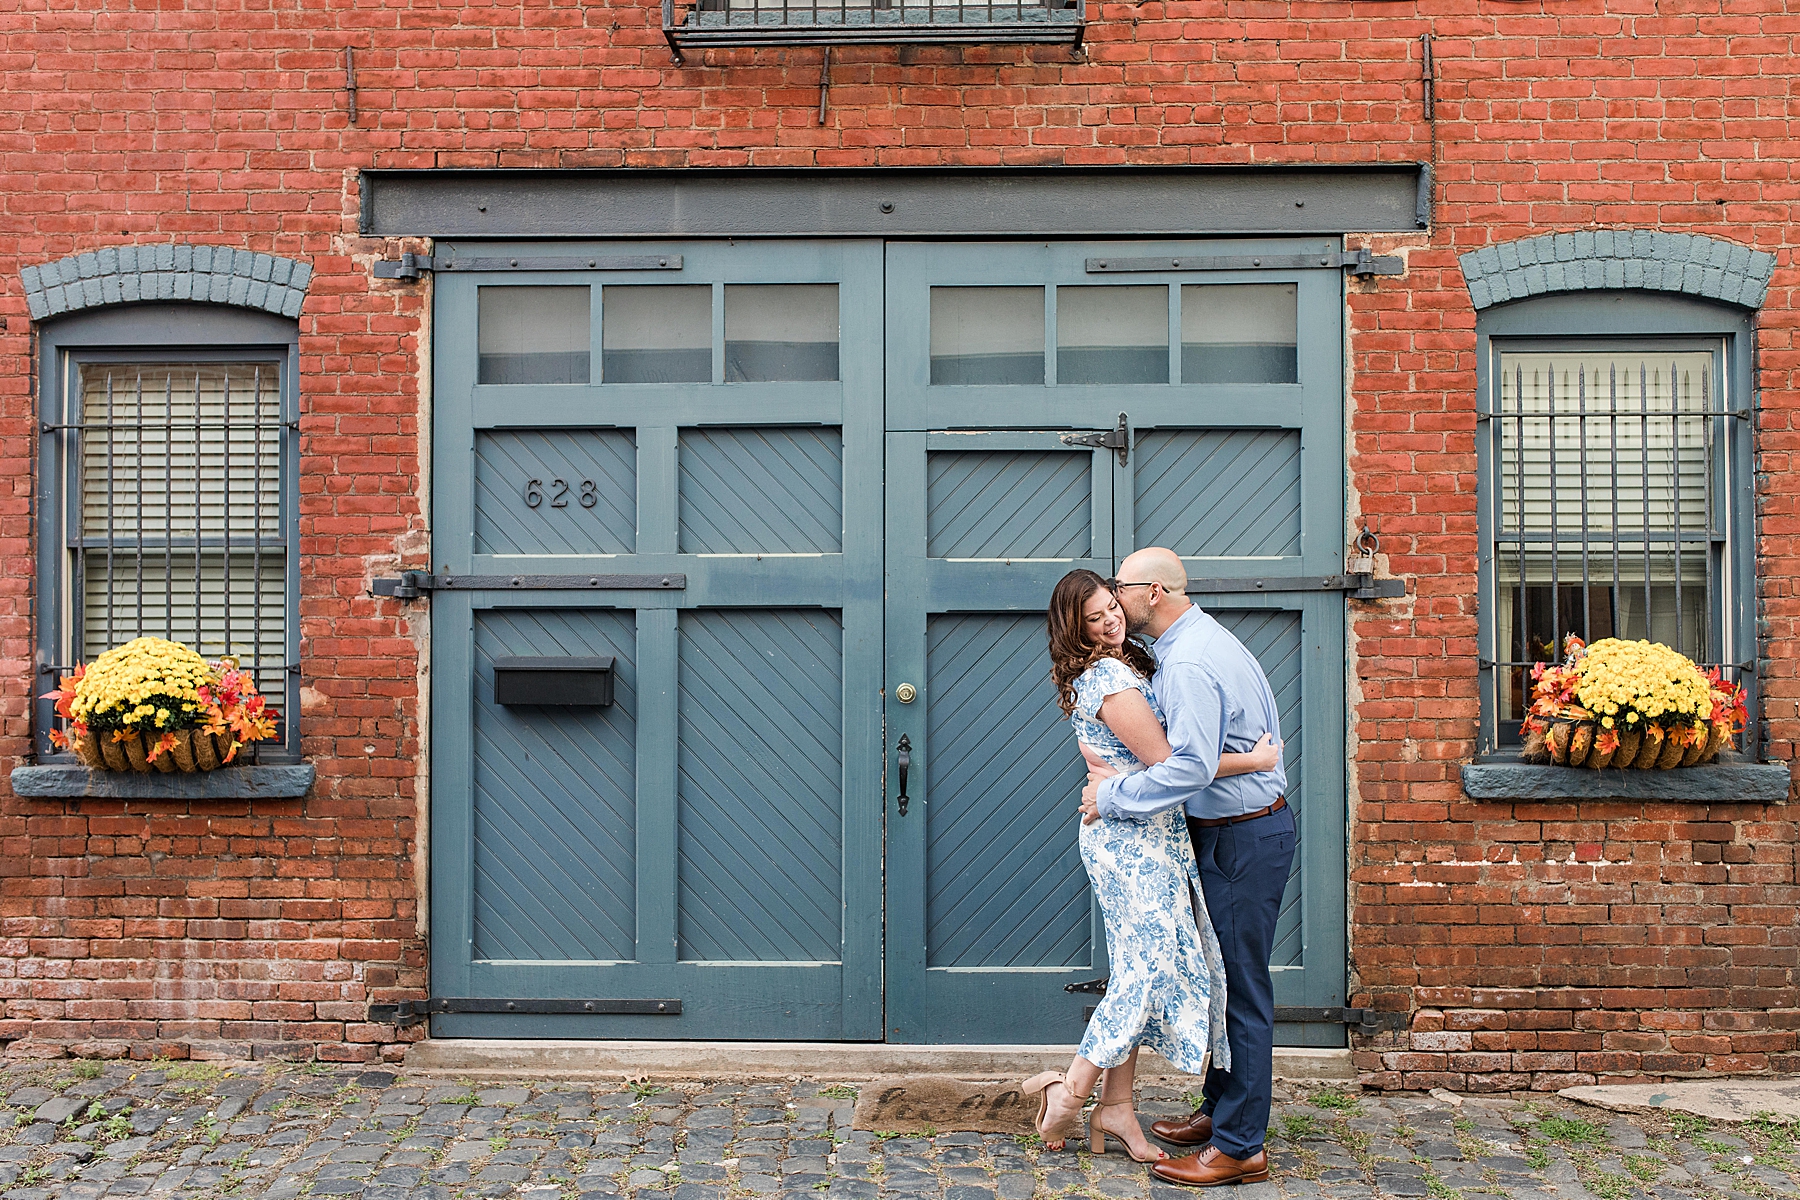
(905, 764)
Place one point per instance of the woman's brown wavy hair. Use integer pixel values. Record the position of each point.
(1070, 651)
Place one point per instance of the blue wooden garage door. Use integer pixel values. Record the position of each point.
(854, 457)
(713, 836)
(1226, 386)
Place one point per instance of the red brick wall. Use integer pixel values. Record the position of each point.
(226, 123)
(1536, 945)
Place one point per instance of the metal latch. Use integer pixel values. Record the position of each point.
(1367, 587)
(1091, 987)
(1117, 438)
(412, 1012)
(413, 584)
(410, 266)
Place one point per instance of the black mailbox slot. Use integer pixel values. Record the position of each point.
(566, 682)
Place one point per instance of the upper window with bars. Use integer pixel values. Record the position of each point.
(168, 511)
(1610, 482)
(699, 24)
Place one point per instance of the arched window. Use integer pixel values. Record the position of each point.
(1616, 498)
(166, 492)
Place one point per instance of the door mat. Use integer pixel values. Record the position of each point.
(941, 1104)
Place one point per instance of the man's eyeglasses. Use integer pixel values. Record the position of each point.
(1113, 585)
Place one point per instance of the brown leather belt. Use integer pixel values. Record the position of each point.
(1215, 822)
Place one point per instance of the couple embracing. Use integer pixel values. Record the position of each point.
(1187, 839)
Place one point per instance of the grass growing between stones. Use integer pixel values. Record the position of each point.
(1309, 1166)
(1583, 1141)
(1295, 1126)
(1357, 1143)
(1468, 1142)
(1608, 1186)
(1772, 1140)
(1335, 1100)
(1686, 1124)
(1571, 1131)
(1438, 1188)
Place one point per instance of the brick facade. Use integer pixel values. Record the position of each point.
(1528, 945)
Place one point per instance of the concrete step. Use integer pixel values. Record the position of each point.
(529, 1058)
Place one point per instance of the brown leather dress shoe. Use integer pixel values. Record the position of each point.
(1193, 1130)
(1212, 1167)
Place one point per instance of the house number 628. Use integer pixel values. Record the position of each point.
(587, 496)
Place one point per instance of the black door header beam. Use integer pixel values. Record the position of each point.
(1019, 202)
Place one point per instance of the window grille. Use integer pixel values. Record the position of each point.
(1611, 513)
(176, 528)
(873, 22)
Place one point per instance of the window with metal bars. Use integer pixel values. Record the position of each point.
(704, 23)
(1614, 506)
(170, 508)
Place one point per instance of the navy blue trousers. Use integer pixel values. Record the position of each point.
(1243, 871)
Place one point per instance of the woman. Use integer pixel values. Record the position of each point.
(1167, 984)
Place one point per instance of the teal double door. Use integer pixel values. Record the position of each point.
(799, 506)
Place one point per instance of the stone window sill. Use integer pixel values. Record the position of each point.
(1734, 779)
(71, 781)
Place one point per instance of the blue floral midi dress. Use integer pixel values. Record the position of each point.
(1167, 984)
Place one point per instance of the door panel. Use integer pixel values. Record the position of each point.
(554, 812)
(1007, 887)
(714, 835)
(762, 490)
(1007, 504)
(595, 511)
(761, 719)
(1217, 493)
(1229, 387)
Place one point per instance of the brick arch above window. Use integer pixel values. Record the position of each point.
(1688, 264)
(197, 274)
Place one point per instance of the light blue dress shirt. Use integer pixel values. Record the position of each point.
(1218, 700)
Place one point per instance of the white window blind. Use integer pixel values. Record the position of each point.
(1603, 441)
(180, 532)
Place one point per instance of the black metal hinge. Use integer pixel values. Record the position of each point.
(1366, 1020)
(1361, 586)
(413, 584)
(1117, 438)
(1360, 261)
(411, 265)
(412, 1012)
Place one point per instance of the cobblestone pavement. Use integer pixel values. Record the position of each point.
(86, 1129)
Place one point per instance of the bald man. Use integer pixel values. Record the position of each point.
(1217, 700)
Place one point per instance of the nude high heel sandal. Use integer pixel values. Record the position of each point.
(1053, 1135)
(1097, 1132)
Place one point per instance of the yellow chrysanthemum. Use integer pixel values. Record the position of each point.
(1642, 682)
(137, 682)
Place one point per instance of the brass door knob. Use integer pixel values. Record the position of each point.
(906, 693)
